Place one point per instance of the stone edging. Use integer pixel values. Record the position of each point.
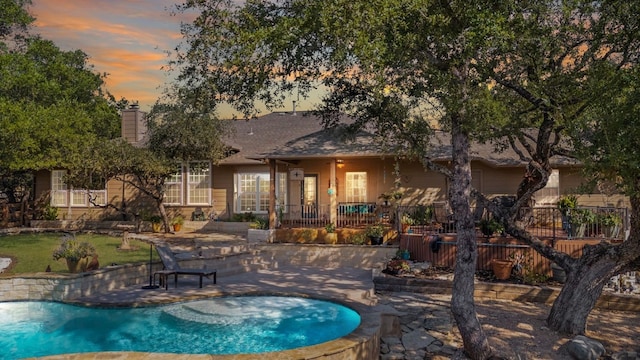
(501, 291)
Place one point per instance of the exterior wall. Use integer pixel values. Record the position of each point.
(419, 186)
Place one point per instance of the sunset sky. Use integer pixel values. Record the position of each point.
(126, 39)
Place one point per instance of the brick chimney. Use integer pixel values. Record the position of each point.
(134, 124)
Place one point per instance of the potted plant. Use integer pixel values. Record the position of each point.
(579, 219)
(375, 233)
(403, 254)
(565, 205)
(610, 222)
(75, 253)
(156, 223)
(406, 220)
(397, 266)
(488, 227)
(177, 222)
(386, 198)
(331, 237)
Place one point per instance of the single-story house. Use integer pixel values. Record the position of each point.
(318, 178)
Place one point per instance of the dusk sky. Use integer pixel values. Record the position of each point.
(126, 39)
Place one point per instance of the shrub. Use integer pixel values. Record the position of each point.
(73, 250)
(330, 227)
(358, 239)
(49, 213)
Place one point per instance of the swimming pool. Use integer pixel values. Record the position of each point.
(228, 325)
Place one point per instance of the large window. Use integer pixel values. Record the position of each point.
(253, 192)
(63, 195)
(356, 187)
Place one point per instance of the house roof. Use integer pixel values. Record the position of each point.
(254, 137)
(289, 136)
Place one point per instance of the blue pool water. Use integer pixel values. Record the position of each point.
(229, 325)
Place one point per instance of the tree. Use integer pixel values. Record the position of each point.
(177, 134)
(52, 103)
(516, 73)
(14, 18)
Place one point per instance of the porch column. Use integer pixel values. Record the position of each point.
(272, 193)
(333, 200)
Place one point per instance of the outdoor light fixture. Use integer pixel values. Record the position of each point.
(340, 164)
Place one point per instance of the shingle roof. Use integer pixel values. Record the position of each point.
(302, 136)
(258, 136)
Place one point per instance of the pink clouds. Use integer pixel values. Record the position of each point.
(125, 39)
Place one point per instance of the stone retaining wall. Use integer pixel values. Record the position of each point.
(59, 287)
(501, 291)
(328, 256)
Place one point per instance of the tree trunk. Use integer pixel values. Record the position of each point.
(577, 298)
(476, 344)
(163, 213)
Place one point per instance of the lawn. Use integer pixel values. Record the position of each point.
(32, 253)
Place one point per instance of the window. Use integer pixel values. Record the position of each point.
(199, 184)
(550, 194)
(192, 179)
(356, 187)
(173, 188)
(253, 191)
(60, 193)
(58, 188)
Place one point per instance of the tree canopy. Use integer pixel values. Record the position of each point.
(53, 104)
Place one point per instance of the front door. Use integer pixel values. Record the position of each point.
(309, 196)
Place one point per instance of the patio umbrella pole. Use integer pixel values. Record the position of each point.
(151, 284)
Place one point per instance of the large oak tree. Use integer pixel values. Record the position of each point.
(515, 73)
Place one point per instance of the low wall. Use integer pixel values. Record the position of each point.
(328, 256)
(501, 291)
(59, 287)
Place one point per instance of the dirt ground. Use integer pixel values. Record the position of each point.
(518, 330)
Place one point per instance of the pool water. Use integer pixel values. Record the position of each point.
(229, 325)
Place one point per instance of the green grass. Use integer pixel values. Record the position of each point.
(32, 253)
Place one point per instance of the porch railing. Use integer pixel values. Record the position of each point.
(304, 215)
(545, 222)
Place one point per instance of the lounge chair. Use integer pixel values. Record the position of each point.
(171, 267)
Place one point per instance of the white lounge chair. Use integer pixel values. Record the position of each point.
(172, 267)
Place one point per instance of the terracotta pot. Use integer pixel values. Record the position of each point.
(177, 227)
(77, 266)
(331, 238)
(502, 268)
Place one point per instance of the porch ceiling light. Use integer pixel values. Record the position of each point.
(340, 164)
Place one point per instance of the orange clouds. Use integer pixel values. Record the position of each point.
(125, 39)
